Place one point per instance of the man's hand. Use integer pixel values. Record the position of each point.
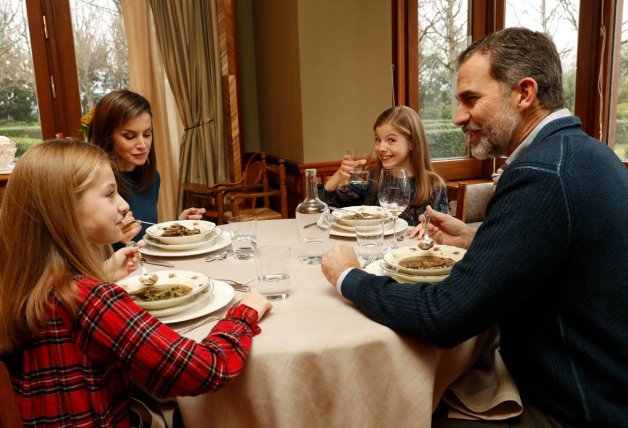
(339, 258)
(445, 229)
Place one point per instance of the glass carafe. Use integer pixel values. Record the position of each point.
(313, 223)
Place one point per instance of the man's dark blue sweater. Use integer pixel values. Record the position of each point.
(550, 265)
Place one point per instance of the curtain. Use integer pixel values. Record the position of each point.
(147, 77)
(188, 40)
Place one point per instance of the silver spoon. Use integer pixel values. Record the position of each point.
(146, 278)
(426, 243)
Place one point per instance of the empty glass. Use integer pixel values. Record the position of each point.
(244, 236)
(369, 234)
(273, 271)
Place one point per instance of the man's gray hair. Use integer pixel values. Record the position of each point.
(515, 53)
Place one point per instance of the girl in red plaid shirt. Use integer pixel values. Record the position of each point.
(74, 342)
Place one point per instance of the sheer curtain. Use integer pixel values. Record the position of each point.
(147, 77)
(188, 40)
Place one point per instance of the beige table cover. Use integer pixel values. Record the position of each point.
(319, 362)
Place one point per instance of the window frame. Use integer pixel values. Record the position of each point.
(487, 17)
(54, 65)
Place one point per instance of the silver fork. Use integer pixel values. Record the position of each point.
(237, 286)
(198, 324)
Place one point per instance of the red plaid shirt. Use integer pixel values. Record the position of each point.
(78, 372)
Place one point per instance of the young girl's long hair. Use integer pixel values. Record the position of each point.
(112, 111)
(41, 239)
(407, 122)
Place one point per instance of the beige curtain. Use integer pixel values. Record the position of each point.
(188, 40)
(147, 77)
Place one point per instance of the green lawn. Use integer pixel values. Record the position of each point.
(23, 134)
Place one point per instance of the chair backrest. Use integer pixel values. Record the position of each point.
(9, 412)
(254, 169)
(456, 195)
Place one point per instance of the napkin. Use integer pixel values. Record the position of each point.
(486, 392)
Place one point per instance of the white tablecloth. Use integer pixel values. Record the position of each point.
(319, 362)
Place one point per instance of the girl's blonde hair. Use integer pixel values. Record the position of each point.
(42, 241)
(407, 122)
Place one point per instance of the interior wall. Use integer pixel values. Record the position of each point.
(322, 73)
(346, 79)
(278, 77)
(249, 120)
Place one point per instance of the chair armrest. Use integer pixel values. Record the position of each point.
(239, 196)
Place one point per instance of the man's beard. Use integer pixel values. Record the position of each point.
(496, 133)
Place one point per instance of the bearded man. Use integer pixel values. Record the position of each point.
(549, 262)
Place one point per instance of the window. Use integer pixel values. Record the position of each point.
(19, 118)
(101, 49)
(583, 31)
(442, 36)
(620, 98)
(559, 19)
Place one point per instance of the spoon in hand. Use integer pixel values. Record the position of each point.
(146, 278)
(426, 243)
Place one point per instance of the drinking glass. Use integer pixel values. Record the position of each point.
(359, 177)
(369, 234)
(394, 195)
(273, 271)
(244, 232)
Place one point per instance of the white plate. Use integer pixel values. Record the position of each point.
(388, 228)
(445, 251)
(207, 240)
(222, 242)
(339, 215)
(166, 312)
(204, 227)
(221, 296)
(376, 269)
(197, 281)
(402, 277)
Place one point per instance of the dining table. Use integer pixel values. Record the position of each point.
(319, 361)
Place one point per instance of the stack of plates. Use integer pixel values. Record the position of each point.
(343, 221)
(206, 295)
(159, 299)
(211, 238)
(411, 264)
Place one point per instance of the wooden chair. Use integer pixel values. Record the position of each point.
(212, 198)
(246, 202)
(9, 413)
(457, 197)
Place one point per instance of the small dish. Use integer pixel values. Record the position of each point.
(158, 231)
(208, 239)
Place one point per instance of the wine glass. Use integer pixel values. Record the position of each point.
(394, 195)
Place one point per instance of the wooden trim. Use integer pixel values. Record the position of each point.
(54, 60)
(227, 40)
(405, 42)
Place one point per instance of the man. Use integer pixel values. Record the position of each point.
(550, 261)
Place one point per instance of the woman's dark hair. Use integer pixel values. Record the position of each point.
(112, 111)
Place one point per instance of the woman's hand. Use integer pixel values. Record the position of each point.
(342, 175)
(258, 302)
(130, 229)
(192, 214)
(445, 229)
(123, 262)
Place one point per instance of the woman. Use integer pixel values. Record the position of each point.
(73, 342)
(122, 125)
(399, 142)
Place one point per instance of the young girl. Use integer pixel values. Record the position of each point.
(73, 342)
(122, 125)
(399, 142)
